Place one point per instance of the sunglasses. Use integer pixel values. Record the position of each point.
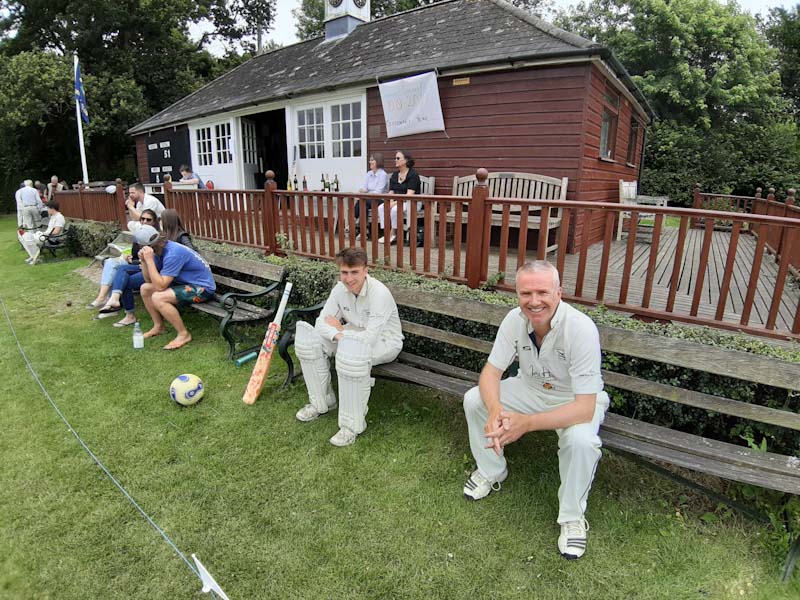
(398, 158)
(146, 220)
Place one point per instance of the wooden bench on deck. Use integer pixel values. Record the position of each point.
(523, 186)
(236, 306)
(645, 442)
(629, 194)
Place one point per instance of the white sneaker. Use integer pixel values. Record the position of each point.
(344, 437)
(478, 487)
(309, 413)
(572, 541)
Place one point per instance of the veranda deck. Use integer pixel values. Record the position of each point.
(661, 279)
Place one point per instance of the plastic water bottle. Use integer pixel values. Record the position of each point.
(138, 336)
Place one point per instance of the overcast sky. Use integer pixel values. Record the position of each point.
(284, 31)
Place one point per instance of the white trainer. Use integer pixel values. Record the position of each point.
(309, 413)
(572, 541)
(478, 486)
(344, 437)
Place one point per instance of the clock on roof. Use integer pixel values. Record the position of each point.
(346, 10)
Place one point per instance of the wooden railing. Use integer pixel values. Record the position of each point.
(683, 273)
(93, 205)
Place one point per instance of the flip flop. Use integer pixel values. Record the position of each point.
(171, 345)
(121, 324)
(107, 310)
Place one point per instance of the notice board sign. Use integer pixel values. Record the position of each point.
(412, 105)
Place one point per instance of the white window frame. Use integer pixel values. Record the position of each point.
(204, 146)
(308, 132)
(344, 140)
(249, 144)
(224, 143)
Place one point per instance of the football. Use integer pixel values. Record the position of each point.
(186, 389)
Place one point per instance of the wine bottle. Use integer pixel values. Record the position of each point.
(305, 184)
(289, 185)
(322, 180)
(335, 183)
(294, 183)
(327, 183)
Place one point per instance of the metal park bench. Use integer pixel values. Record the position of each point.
(650, 444)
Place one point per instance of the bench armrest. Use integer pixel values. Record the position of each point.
(229, 300)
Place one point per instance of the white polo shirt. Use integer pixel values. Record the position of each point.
(371, 315)
(150, 203)
(568, 362)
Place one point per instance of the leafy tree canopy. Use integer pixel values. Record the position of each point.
(783, 31)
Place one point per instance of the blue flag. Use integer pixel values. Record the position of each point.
(80, 96)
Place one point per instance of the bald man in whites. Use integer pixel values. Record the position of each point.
(558, 387)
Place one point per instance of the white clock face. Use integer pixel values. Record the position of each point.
(335, 3)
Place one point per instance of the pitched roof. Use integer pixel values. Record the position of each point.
(444, 35)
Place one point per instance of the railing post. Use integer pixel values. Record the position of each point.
(269, 214)
(475, 227)
(782, 242)
(167, 194)
(80, 201)
(698, 204)
(119, 204)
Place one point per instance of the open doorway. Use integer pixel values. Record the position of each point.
(270, 130)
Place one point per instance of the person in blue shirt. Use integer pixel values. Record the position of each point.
(188, 176)
(183, 278)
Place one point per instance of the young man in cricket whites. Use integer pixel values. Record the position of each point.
(361, 326)
(559, 387)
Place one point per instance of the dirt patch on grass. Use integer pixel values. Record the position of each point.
(92, 272)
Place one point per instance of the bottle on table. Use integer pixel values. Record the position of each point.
(289, 185)
(335, 182)
(305, 184)
(322, 181)
(138, 336)
(294, 184)
(327, 183)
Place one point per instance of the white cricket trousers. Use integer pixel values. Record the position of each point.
(578, 445)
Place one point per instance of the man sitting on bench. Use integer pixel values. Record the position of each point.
(184, 278)
(559, 387)
(55, 226)
(361, 326)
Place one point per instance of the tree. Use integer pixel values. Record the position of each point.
(783, 31)
(710, 76)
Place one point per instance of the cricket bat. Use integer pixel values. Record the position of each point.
(261, 370)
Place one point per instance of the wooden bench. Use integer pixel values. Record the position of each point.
(629, 194)
(236, 307)
(651, 444)
(522, 186)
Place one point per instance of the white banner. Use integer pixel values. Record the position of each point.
(412, 105)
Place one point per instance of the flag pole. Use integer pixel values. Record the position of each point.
(79, 120)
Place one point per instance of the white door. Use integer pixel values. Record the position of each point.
(249, 154)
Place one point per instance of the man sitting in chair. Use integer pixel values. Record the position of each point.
(33, 242)
(361, 326)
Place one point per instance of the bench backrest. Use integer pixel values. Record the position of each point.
(242, 266)
(527, 186)
(428, 185)
(628, 191)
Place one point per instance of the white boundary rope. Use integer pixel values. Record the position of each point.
(97, 461)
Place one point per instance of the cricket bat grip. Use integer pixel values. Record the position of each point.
(282, 306)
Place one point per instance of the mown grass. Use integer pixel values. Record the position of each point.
(274, 511)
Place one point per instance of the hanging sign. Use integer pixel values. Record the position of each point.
(412, 105)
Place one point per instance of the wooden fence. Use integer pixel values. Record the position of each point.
(683, 273)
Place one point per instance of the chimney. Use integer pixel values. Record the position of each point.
(342, 16)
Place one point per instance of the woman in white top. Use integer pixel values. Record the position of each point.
(375, 182)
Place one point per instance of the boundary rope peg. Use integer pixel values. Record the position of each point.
(208, 582)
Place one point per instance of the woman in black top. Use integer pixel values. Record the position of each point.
(405, 181)
(172, 226)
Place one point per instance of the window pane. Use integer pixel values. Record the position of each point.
(337, 132)
(320, 151)
(302, 151)
(346, 149)
(301, 136)
(356, 110)
(357, 129)
(335, 113)
(337, 149)
(357, 148)
(301, 118)
(345, 112)
(318, 115)
(345, 131)
(320, 135)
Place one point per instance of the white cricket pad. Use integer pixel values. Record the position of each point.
(353, 364)
(315, 366)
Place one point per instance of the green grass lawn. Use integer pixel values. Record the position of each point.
(275, 511)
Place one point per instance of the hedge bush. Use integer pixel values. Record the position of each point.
(313, 280)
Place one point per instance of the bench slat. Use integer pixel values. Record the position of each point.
(726, 406)
(442, 383)
(701, 464)
(238, 285)
(438, 367)
(703, 447)
(243, 311)
(241, 265)
(456, 339)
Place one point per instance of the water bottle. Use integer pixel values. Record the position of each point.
(138, 336)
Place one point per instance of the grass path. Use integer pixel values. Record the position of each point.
(274, 511)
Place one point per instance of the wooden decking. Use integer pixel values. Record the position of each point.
(661, 279)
